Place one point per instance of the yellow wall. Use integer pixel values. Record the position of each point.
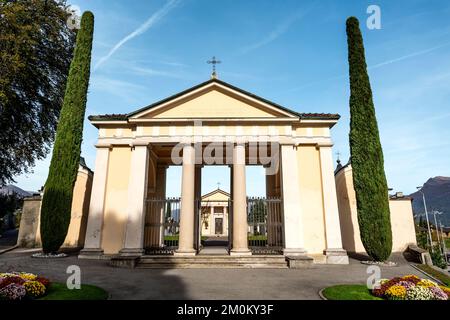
(311, 198)
(402, 221)
(213, 104)
(80, 209)
(116, 199)
(216, 196)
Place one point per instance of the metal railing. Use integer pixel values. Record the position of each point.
(162, 225)
(265, 226)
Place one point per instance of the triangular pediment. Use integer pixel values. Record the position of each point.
(216, 195)
(213, 99)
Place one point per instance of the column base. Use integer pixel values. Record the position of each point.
(336, 256)
(185, 253)
(240, 252)
(91, 253)
(294, 252)
(131, 252)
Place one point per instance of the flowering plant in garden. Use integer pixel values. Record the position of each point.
(411, 287)
(22, 285)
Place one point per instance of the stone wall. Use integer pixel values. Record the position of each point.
(29, 222)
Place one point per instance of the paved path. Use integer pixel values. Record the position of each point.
(8, 239)
(200, 283)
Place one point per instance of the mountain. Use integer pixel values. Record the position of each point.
(10, 189)
(437, 197)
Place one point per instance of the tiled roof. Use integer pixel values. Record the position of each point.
(319, 116)
(108, 117)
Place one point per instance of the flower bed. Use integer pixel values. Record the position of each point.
(22, 285)
(411, 287)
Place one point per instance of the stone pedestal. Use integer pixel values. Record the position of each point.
(336, 256)
(299, 261)
(90, 253)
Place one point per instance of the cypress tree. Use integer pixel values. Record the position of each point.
(57, 199)
(369, 178)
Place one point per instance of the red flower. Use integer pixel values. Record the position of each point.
(380, 292)
(44, 281)
(8, 280)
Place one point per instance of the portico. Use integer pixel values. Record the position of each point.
(213, 123)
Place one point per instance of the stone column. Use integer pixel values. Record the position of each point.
(186, 237)
(212, 225)
(230, 212)
(197, 205)
(161, 177)
(137, 192)
(334, 252)
(93, 240)
(240, 225)
(225, 219)
(270, 184)
(292, 215)
(270, 193)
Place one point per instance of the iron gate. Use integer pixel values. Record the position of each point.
(265, 227)
(162, 225)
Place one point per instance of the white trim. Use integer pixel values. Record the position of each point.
(268, 119)
(109, 122)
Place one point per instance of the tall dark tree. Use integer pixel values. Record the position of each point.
(36, 48)
(369, 178)
(58, 192)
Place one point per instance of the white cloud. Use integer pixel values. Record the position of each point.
(411, 55)
(149, 23)
(274, 34)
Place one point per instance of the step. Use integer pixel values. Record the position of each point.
(212, 261)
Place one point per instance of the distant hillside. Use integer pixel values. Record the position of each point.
(437, 197)
(10, 189)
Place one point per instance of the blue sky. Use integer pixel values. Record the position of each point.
(293, 53)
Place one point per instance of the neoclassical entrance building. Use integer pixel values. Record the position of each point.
(214, 123)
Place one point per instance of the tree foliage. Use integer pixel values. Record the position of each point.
(369, 178)
(36, 48)
(58, 192)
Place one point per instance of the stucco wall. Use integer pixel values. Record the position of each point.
(402, 221)
(311, 199)
(115, 212)
(29, 231)
(80, 209)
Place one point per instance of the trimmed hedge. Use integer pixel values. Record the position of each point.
(366, 154)
(57, 199)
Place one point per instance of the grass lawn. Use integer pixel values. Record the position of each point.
(175, 238)
(436, 274)
(255, 238)
(447, 243)
(59, 291)
(348, 292)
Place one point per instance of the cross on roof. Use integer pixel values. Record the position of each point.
(338, 154)
(213, 61)
(218, 185)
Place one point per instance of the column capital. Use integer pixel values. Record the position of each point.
(101, 145)
(324, 145)
(140, 144)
